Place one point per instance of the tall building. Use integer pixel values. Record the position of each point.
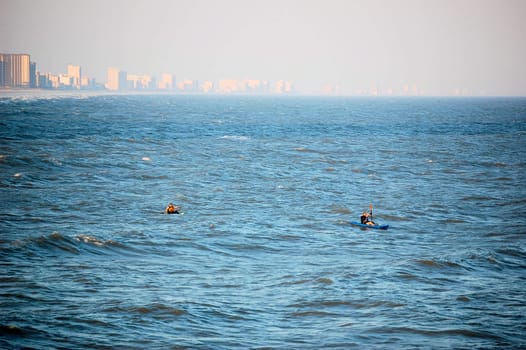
(283, 87)
(117, 79)
(167, 81)
(140, 82)
(207, 87)
(43, 80)
(32, 75)
(188, 85)
(74, 72)
(227, 86)
(15, 71)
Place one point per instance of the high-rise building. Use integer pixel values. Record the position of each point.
(32, 75)
(15, 71)
(227, 86)
(188, 85)
(43, 81)
(74, 72)
(167, 81)
(117, 79)
(140, 82)
(283, 86)
(207, 87)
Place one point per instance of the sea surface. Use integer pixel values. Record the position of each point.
(263, 255)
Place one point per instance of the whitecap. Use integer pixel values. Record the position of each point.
(235, 137)
(55, 161)
(90, 239)
(18, 175)
(147, 159)
(304, 149)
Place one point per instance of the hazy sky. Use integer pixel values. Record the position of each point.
(436, 45)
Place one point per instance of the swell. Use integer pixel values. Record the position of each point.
(155, 310)
(470, 261)
(353, 304)
(59, 243)
(15, 331)
(259, 203)
(437, 333)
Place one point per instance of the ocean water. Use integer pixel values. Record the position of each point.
(263, 256)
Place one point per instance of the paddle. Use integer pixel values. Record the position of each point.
(371, 211)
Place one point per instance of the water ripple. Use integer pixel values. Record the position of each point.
(264, 256)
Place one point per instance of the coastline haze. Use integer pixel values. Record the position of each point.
(431, 47)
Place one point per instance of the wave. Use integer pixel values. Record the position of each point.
(358, 304)
(98, 242)
(387, 217)
(472, 260)
(314, 313)
(15, 331)
(11, 330)
(316, 281)
(156, 310)
(235, 137)
(73, 245)
(305, 150)
(453, 221)
(339, 210)
(477, 198)
(438, 264)
(511, 257)
(514, 252)
(431, 333)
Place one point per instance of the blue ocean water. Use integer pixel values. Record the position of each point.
(263, 256)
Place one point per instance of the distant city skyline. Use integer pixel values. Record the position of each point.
(19, 71)
(348, 47)
(119, 80)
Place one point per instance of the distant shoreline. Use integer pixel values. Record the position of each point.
(37, 92)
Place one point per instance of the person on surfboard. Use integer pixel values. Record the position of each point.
(172, 209)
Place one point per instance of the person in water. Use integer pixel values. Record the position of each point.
(172, 209)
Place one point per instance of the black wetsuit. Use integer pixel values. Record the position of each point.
(363, 219)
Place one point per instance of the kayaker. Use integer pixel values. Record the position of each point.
(172, 209)
(366, 219)
(363, 218)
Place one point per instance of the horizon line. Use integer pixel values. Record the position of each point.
(107, 92)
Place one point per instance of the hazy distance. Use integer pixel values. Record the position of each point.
(432, 47)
